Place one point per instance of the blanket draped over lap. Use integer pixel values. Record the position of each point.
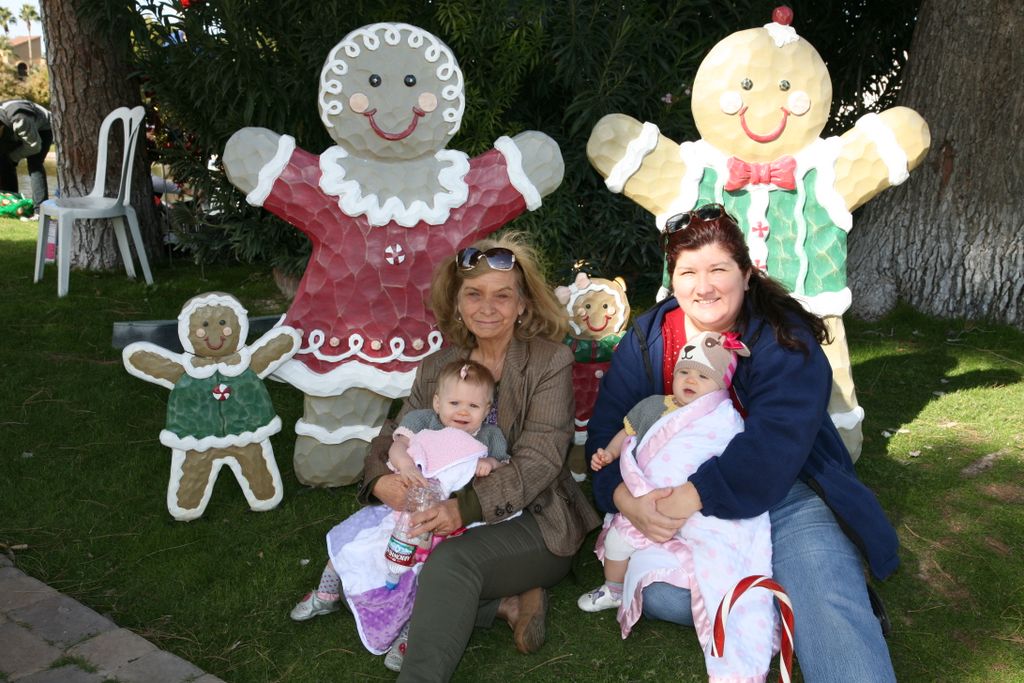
(708, 555)
(356, 545)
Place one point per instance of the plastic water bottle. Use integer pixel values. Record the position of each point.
(400, 553)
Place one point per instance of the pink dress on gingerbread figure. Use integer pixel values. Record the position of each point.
(382, 208)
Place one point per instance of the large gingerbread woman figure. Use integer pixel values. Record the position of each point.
(219, 412)
(382, 208)
(760, 101)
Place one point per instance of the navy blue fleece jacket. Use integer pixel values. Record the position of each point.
(788, 434)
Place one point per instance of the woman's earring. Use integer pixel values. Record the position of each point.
(519, 320)
(458, 317)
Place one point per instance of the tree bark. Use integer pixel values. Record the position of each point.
(89, 77)
(949, 241)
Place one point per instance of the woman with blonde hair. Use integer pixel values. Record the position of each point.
(494, 307)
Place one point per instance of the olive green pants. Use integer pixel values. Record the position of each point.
(461, 585)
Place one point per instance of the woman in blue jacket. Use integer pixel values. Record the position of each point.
(789, 460)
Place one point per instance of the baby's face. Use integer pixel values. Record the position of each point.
(688, 384)
(462, 405)
(214, 331)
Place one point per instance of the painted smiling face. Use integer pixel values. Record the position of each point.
(391, 92)
(762, 93)
(213, 331)
(212, 325)
(597, 308)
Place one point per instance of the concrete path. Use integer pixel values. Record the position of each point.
(46, 637)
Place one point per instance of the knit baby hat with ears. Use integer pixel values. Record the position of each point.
(714, 355)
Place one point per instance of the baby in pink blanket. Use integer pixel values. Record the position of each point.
(664, 440)
(463, 402)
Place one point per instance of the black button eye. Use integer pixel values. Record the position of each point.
(410, 80)
(374, 80)
(220, 322)
(206, 323)
(783, 85)
(746, 84)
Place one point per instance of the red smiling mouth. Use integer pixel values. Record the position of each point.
(597, 329)
(770, 137)
(417, 113)
(217, 347)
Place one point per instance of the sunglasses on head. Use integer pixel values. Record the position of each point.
(680, 221)
(498, 258)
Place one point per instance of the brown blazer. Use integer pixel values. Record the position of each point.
(535, 413)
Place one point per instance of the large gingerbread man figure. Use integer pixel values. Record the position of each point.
(760, 101)
(382, 209)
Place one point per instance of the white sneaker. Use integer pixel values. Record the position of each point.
(311, 606)
(396, 654)
(599, 599)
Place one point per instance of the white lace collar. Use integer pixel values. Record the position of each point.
(353, 203)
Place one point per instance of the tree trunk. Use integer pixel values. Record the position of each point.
(89, 77)
(949, 240)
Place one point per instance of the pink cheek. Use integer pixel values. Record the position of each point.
(201, 333)
(227, 331)
(427, 102)
(359, 102)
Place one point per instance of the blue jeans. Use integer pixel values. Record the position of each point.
(837, 636)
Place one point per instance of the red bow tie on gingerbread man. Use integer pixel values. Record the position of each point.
(778, 173)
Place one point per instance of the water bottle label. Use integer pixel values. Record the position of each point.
(400, 552)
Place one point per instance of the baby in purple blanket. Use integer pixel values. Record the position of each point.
(444, 447)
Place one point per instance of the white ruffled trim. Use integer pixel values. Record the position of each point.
(335, 436)
(887, 145)
(516, 175)
(204, 371)
(637, 149)
(826, 303)
(350, 375)
(190, 443)
(353, 203)
(271, 171)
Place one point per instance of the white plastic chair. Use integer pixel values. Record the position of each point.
(97, 205)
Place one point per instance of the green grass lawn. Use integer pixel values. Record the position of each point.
(83, 482)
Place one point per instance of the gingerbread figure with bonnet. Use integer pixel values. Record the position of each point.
(761, 99)
(219, 413)
(382, 207)
(598, 313)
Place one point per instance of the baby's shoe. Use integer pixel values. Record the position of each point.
(311, 606)
(600, 598)
(396, 654)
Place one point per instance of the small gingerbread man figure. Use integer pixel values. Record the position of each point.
(383, 208)
(761, 99)
(219, 412)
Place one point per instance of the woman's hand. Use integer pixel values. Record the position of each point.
(441, 519)
(391, 489)
(683, 502)
(643, 513)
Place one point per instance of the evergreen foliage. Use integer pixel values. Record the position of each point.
(211, 68)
